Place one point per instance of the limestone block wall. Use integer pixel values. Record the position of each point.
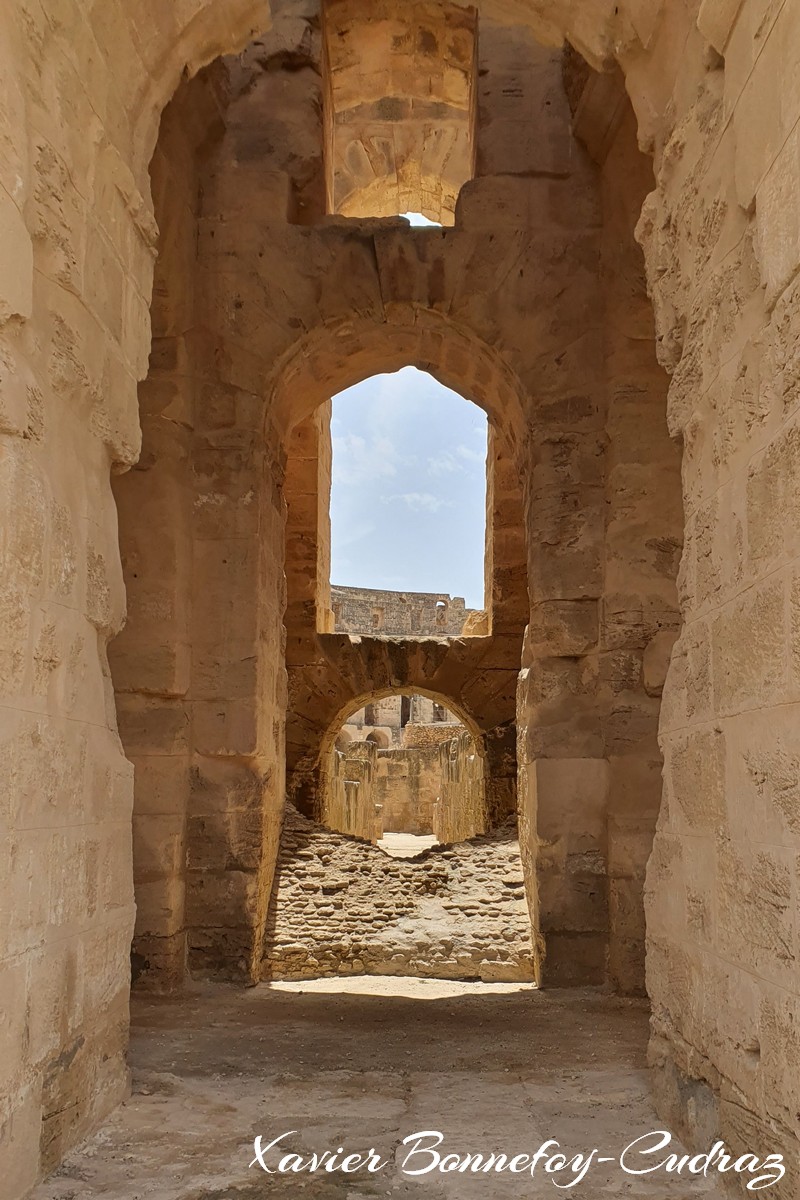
(342, 906)
(308, 541)
(561, 748)
(201, 675)
(640, 617)
(460, 809)
(418, 614)
(151, 659)
(81, 95)
(608, 635)
(723, 249)
(350, 801)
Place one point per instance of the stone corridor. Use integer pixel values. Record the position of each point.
(206, 237)
(365, 1063)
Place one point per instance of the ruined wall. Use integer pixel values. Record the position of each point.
(436, 787)
(419, 736)
(350, 800)
(415, 614)
(407, 787)
(460, 811)
(342, 906)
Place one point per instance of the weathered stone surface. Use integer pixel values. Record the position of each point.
(342, 906)
(429, 784)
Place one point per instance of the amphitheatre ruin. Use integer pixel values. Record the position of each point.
(281, 854)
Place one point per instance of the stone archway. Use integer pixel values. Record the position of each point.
(469, 723)
(328, 671)
(420, 777)
(373, 297)
(347, 901)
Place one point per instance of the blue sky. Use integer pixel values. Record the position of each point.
(409, 487)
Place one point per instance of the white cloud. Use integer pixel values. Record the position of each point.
(443, 464)
(459, 460)
(357, 461)
(408, 462)
(420, 501)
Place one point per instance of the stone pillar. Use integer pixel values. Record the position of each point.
(151, 658)
(644, 527)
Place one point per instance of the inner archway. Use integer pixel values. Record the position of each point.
(403, 873)
(342, 646)
(409, 776)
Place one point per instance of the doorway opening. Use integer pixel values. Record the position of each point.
(405, 872)
(405, 774)
(408, 501)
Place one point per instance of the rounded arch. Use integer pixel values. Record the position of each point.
(349, 707)
(454, 771)
(211, 28)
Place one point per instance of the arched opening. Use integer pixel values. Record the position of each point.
(407, 517)
(404, 848)
(399, 108)
(327, 667)
(413, 781)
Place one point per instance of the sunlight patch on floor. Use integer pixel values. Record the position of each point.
(398, 985)
(405, 845)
